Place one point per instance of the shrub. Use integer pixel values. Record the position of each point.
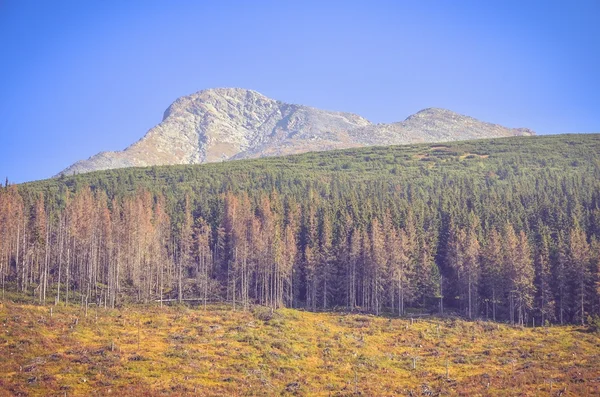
(594, 323)
(263, 313)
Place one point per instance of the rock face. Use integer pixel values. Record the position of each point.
(231, 123)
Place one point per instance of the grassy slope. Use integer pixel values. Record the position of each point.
(221, 352)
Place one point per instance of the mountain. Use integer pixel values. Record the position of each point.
(232, 123)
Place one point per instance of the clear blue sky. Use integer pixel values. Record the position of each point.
(79, 77)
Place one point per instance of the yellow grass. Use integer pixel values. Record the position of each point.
(225, 353)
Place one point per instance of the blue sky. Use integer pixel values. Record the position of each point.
(79, 77)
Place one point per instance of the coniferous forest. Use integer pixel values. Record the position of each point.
(503, 229)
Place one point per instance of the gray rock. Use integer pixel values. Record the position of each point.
(232, 123)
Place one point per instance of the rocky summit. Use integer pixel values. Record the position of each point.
(232, 123)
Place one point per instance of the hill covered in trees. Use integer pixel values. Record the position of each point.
(504, 229)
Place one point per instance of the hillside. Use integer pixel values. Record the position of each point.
(231, 123)
(504, 229)
(148, 350)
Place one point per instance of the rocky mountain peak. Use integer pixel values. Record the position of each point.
(231, 123)
(433, 112)
(217, 98)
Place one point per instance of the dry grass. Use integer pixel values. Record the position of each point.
(178, 350)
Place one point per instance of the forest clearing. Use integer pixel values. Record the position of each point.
(179, 350)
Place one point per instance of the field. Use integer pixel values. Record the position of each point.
(149, 350)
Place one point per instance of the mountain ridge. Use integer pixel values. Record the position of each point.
(220, 124)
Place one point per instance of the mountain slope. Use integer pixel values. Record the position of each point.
(231, 123)
(522, 195)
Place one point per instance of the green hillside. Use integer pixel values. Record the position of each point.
(503, 229)
(392, 163)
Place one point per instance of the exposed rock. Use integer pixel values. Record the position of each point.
(232, 123)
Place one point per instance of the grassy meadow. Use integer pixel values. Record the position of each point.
(178, 350)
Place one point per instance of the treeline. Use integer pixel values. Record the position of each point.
(491, 235)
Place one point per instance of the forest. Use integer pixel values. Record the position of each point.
(504, 229)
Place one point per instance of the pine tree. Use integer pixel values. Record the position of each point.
(403, 269)
(595, 262)
(202, 249)
(162, 237)
(492, 280)
(310, 257)
(543, 276)
(524, 275)
(325, 257)
(39, 241)
(378, 263)
(579, 265)
(353, 271)
(290, 250)
(427, 274)
(186, 242)
(106, 249)
(511, 267)
(233, 245)
(244, 250)
(560, 276)
(471, 266)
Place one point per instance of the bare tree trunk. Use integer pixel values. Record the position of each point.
(179, 276)
(161, 280)
(210, 258)
(325, 292)
(400, 295)
(353, 285)
(521, 322)
(17, 254)
(60, 258)
(561, 306)
(442, 294)
(46, 259)
(582, 296)
(67, 280)
(470, 312)
(494, 304)
(233, 278)
(512, 314)
(23, 268)
(543, 308)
